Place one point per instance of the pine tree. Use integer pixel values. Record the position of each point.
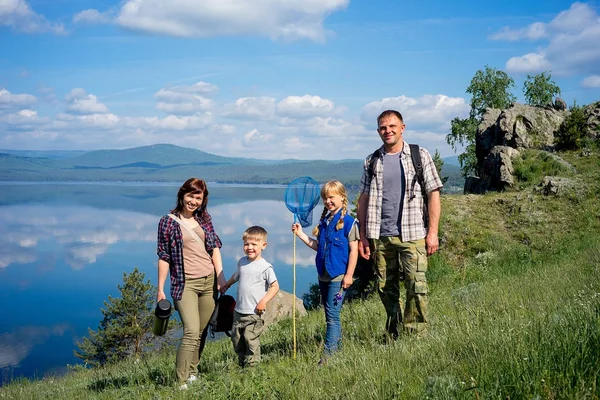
(127, 324)
(439, 164)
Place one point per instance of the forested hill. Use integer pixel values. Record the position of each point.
(169, 163)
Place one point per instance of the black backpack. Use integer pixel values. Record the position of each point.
(415, 155)
(221, 319)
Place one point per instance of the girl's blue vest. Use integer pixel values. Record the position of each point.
(333, 250)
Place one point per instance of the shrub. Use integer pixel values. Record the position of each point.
(571, 133)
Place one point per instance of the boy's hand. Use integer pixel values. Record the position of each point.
(261, 307)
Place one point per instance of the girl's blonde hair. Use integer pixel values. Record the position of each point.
(333, 187)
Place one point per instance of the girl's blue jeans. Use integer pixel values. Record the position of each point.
(332, 306)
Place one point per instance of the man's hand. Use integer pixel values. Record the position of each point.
(432, 243)
(363, 248)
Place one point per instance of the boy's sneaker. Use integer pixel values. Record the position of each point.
(191, 379)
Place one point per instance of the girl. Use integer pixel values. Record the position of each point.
(189, 250)
(337, 252)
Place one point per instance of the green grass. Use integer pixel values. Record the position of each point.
(515, 309)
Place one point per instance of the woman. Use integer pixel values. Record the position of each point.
(189, 250)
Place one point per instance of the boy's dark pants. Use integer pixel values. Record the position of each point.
(245, 336)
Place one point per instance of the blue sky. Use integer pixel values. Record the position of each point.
(272, 78)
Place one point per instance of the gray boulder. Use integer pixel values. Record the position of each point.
(280, 307)
(497, 169)
(556, 186)
(560, 104)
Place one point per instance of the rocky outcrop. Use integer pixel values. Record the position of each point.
(500, 136)
(281, 307)
(592, 124)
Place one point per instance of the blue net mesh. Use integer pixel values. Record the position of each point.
(301, 197)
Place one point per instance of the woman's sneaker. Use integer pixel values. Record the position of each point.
(192, 379)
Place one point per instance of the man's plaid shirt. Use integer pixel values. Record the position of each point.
(170, 247)
(411, 210)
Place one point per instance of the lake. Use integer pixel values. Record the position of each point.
(64, 249)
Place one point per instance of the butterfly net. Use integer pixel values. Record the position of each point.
(301, 197)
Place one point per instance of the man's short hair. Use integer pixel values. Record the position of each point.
(256, 233)
(389, 113)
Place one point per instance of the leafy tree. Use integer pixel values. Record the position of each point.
(540, 89)
(490, 88)
(127, 324)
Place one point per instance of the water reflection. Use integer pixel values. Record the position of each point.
(64, 249)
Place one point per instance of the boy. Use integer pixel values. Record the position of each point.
(257, 286)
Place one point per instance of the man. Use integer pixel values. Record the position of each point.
(393, 227)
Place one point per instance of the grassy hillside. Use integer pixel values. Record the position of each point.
(514, 302)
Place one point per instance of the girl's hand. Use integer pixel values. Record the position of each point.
(297, 229)
(347, 281)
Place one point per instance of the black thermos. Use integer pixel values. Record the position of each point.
(161, 317)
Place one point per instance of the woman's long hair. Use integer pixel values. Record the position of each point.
(192, 186)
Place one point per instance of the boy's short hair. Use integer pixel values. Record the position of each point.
(255, 232)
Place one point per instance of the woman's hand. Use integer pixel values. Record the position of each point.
(221, 283)
(160, 296)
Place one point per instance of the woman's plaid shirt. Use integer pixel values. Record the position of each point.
(411, 210)
(170, 247)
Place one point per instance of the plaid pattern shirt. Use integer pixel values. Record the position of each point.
(412, 208)
(170, 248)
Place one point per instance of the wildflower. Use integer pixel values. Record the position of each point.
(338, 296)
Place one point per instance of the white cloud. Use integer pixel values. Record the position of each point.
(24, 119)
(185, 99)
(252, 108)
(12, 101)
(534, 31)
(18, 15)
(287, 19)
(531, 62)
(572, 48)
(92, 16)
(304, 106)
(433, 111)
(592, 81)
(84, 104)
(194, 105)
(255, 138)
(176, 93)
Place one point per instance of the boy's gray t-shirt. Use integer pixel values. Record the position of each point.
(254, 279)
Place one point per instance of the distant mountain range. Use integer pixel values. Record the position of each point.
(170, 163)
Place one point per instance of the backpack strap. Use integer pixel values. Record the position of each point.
(415, 154)
(371, 169)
